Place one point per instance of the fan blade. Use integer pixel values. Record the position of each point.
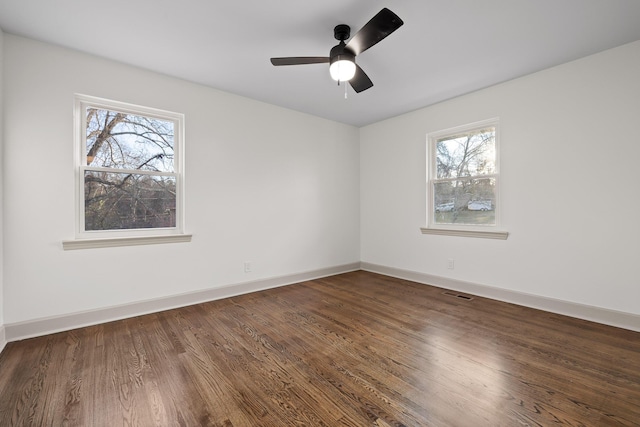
(379, 27)
(360, 81)
(300, 60)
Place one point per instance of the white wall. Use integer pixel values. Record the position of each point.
(569, 155)
(263, 184)
(2, 333)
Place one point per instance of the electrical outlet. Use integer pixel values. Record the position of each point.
(450, 263)
(247, 267)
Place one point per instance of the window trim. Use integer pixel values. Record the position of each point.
(498, 235)
(462, 230)
(105, 238)
(68, 245)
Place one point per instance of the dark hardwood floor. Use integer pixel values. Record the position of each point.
(357, 349)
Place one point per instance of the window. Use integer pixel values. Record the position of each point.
(463, 181)
(129, 173)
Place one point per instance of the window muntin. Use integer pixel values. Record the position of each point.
(463, 177)
(130, 174)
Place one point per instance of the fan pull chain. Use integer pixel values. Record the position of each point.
(345, 91)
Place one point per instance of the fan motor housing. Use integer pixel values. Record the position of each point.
(341, 52)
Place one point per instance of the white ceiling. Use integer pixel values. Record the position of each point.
(446, 47)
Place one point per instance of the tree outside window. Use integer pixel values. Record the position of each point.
(463, 176)
(130, 168)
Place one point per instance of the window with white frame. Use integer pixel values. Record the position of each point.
(129, 174)
(463, 178)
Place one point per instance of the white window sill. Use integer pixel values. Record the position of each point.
(68, 245)
(500, 235)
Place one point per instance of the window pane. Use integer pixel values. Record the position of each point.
(128, 141)
(120, 201)
(468, 154)
(465, 201)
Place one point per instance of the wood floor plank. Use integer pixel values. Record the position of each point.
(356, 349)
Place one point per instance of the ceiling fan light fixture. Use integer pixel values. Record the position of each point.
(342, 57)
(342, 70)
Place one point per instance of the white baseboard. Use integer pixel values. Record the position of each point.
(595, 314)
(43, 326)
(3, 338)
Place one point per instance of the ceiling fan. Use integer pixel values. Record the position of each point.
(342, 58)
